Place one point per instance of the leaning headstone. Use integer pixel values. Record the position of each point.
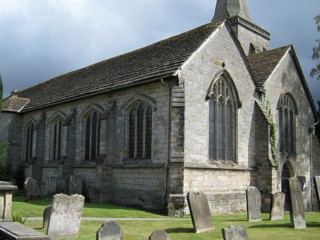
(75, 184)
(317, 181)
(254, 204)
(15, 230)
(297, 215)
(234, 233)
(46, 216)
(109, 231)
(31, 188)
(200, 212)
(277, 210)
(159, 235)
(65, 216)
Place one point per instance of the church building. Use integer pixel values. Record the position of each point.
(213, 109)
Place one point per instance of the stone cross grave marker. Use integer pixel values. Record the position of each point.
(109, 231)
(200, 212)
(31, 188)
(234, 233)
(254, 204)
(65, 216)
(297, 215)
(75, 184)
(46, 216)
(317, 181)
(277, 210)
(159, 235)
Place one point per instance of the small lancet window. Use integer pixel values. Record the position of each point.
(91, 135)
(29, 131)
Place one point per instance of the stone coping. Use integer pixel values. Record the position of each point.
(7, 186)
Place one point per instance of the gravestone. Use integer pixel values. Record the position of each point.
(109, 231)
(317, 181)
(234, 233)
(65, 216)
(159, 235)
(31, 188)
(200, 212)
(15, 230)
(277, 210)
(297, 215)
(75, 184)
(46, 216)
(254, 204)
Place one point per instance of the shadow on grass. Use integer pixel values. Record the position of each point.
(313, 224)
(285, 225)
(179, 230)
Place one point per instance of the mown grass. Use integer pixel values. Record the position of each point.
(178, 229)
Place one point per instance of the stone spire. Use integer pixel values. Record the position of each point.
(231, 8)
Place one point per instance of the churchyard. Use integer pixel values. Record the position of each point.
(177, 228)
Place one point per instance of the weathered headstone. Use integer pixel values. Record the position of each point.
(297, 215)
(6, 191)
(15, 230)
(200, 212)
(75, 184)
(46, 216)
(65, 216)
(109, 231)
(277, 210)
(159, 235)
(234, 233)
(317, 181)
(254, 204)
(31, 188)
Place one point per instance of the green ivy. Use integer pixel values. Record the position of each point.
(273, 131)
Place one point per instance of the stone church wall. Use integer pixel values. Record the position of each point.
(224, 183)
(286, 79)
(139, 182)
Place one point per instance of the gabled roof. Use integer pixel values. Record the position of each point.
(158, 60)
(14, 104)
(264, 63)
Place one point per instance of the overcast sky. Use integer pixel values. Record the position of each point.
(41, 39)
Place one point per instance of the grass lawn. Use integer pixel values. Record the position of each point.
(177, 228)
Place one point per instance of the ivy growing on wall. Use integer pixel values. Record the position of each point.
(273, 131)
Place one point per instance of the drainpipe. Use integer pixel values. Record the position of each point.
(167, 167)
(311, 131)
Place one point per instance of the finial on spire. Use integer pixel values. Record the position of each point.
(231, 8)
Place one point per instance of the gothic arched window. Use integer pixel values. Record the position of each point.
(91, 123)
(223, 120)
(56, 139)
(29, 131)
(287, 120)
(139, 131)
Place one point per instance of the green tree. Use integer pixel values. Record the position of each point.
(315, 72)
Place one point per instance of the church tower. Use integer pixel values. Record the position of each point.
(253, 39)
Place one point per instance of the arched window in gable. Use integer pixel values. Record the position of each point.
(91, 123)
(139, 130)
(29, 138)
(287, 120)
(223, 104)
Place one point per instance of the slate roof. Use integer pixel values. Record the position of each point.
(264, 63)
(14, 104)
(158, 60)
